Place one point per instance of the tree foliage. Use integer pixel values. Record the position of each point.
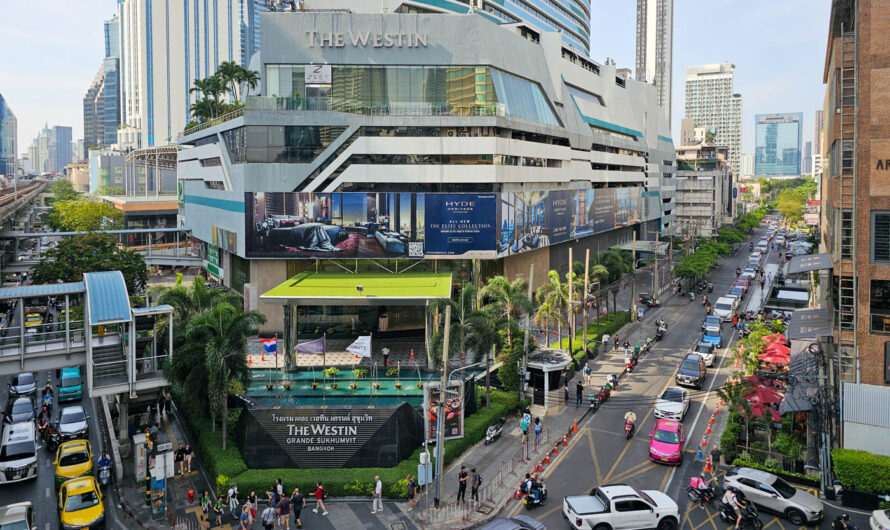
(81, 215)
(227, 79)
(63, 190)
(790, 204)
(72, 257)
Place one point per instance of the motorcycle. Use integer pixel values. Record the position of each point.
(691, 296)
(749, 515)
(708, 309)
(47, 401)
(530, 502)
(51, 438)
(711, 495)
(659, 334)
(629, 429)
(629, 363)
(104, 476)
(710, 287)
(648, 345)
(604, 393)
(594, 402)
(494, 431)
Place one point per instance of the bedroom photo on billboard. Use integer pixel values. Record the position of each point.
(334, 225)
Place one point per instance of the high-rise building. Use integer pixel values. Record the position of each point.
(747, 165)
(34, 157)
(60, 148)
(101, 104)
(703, 196)
(8, 139)
(712, 103)
(818, 147)
(856, 194)
(165, 47)
(777, 141)
(808, 158)
(655, 47)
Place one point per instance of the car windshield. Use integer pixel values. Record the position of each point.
(17, 451)
(666, 437)
(15, 525)
(712, 320)
(70, 381)
(703, 348)
(723, 307)
(673, 394)
(71, 416)
(712, 332)
(72, 459)
(20, 406)
(735, 290)
(81, 501)
(784, 489)
(689, 366)
(23, 379)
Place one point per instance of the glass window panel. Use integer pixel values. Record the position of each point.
(522, 98)
(272, 80)
(275, 135)
(285, 83)
(298, 81)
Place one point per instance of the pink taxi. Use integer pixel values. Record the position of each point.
(666, 442)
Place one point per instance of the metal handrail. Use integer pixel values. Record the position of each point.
(214, 121)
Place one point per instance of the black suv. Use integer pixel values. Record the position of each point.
(692, 371)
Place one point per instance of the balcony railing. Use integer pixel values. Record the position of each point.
(351, 106)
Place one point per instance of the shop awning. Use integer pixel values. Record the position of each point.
(809, 323)
(800, 394)
(343, 288)
(809, 262)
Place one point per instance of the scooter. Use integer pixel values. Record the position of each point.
(749, 515)
(710, 495)
(710, 287)
(659, 334)
(51, 437)
(47, 401)
(629, 429)
(530, 502)
(494, 431)
(629, 363)
(104, 475)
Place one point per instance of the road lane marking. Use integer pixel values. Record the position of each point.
(624, 477)
(627, 446)
(549, 512)
(47, 492)
(596, 462)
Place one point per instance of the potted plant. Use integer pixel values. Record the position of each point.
(269, 386)
(420, 384)
(286, 384)
(392, 371)
(353, 385)
(360, 373)
(398, 385)
(314, 385)
(334, 385)
(331, 372)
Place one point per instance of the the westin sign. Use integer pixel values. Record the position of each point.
(366, 39)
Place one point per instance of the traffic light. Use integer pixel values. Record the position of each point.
(887, 362)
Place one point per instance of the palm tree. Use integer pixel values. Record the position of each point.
(485, 338)
(733, 394)
(555, 294)
(462, 311)
(509, 299)
(203, 109)
(223, 330)
(615, 263)
(599, 275)
(547, 314)
(250, 78)
(230, 73)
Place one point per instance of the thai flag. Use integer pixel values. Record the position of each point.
(270, 345)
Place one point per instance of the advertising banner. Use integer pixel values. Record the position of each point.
(316, 436)
(454, 411)
(434, 225)
(460, 225)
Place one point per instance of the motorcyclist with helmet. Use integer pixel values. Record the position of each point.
(630, 420)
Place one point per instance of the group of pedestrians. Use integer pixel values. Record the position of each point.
(474, 479)
(279, 510)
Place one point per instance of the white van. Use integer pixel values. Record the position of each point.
(724, 307)
(18, 453)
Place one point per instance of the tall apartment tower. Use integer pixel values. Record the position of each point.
(8, 139)
(777, 144)
(655, 47)
(712, 103)
(165, 47)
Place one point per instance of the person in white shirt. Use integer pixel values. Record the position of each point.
(378, 496)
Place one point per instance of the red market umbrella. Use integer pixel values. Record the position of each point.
(776, 338)
(778, 348)
(759, 409)
(774, 358)
(762, 395)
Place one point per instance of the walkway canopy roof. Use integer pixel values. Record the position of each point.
(368, 289)
(809, 262)
(35, 291)
(107, 296)
(809, 323)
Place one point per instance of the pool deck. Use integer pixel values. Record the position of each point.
(337, 355)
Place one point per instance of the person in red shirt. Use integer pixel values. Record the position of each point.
(320, 495)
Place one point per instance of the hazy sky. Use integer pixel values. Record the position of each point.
(51, 50)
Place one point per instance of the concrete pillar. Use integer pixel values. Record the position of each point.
(122, 407)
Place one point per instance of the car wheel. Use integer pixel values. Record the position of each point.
(602, 527)
(668, 523)
(796, 517)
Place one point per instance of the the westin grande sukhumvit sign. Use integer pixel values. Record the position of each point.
(366, 39)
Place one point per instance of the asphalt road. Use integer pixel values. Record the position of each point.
(600, 454)
(41, 491)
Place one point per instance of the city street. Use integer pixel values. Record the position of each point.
(601, 455)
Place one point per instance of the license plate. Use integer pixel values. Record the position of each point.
(664, 459)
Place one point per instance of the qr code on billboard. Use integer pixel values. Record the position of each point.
(415, 249)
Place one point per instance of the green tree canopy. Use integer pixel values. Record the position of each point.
(63, 190)
(790, 204)
(82, 215)
(73, 256)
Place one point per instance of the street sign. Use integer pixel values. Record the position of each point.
(424, 474)
(163, 447)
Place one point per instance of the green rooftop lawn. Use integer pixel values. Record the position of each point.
(385, 285)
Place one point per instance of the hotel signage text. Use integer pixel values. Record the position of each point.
(366, 39)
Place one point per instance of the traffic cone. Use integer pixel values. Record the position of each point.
(547, 458)
(716, 410)
(569, 434)
(707, 468)
(575, 427)
(540, 467)
(565, 441)
(719, 402)
(249, 360)
(412, 354)
(556, 449)
(699, 456)
(704, 441)
(711, 420)
(709, 430)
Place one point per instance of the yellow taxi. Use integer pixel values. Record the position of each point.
(33, 319)
(73, 459)
(80, 504)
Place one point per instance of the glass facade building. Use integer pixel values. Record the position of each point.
(8, 145)
(777, 144)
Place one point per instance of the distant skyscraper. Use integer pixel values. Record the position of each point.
(8, 139)
(165, 46)
(655, 47)
(808, 158)
(60, 148)
(711, 103)
(777, 141)
(817, 144)
(747, 160)
(101, 104)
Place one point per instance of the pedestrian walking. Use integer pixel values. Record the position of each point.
(385, 352)
(297, 503)
(567, 393)
(284, 512)
(735, 320)
(715, 456)
(252, 502)
(179, 458)
(244, 518)
(217, 511)
(462, 484)
(232, 500)
(188, 458)
(537, 431)
(475, 482)
(377, 505)
(412, 492)
(168, 402)
(579, 393)
(204, 501)
(523, 426)
(587, 372)
(320, 495)
(268, 518)
(617, 341)
(606, 339)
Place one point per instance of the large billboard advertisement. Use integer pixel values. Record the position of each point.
(432, 225)
(453, 426)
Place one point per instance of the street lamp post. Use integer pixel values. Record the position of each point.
(440, 420)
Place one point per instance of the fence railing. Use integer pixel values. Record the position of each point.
(769, 459)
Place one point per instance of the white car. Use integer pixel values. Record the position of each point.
(724, 307)
(879, 520)
(622, 507)
(673, 404)
(774, 494)
(708, 351)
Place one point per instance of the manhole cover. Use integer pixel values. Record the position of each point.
(485, 509)
(398, 526)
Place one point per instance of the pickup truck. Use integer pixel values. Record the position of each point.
(621, 507)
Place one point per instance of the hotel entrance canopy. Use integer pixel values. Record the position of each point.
(367, 289)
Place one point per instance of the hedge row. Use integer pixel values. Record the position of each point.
(339, 482)
(608, 324)
(796, 478)
(862, 471)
